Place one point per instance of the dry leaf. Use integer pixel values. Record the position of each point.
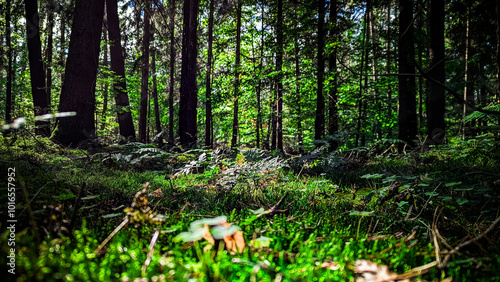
(368, 271)
(157, 193)
(330, 265)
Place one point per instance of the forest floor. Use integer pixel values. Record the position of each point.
(122, 212)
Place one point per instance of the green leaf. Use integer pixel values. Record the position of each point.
(449, 184)
(462, 201)
(361, 213)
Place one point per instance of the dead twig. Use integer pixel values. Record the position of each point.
(274, 209)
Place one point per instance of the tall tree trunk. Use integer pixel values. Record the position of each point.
(143, 116)
(118, 68)
(234, 139)
(172, 73)
(468, 89)
(155, 94)
(279, 63)
(378, 105)
(62, 42)
(105, 85)
(333, 114)
(273, 107)
(188, 101)
(436, 102)
(37, 73)
(298, 94)
(407, 114)
(497, 96)
(8, 90)
(319, 123)
(364, 59)
(259, 86)
(388, 65)
(50, 40)
(208, 80)
(78, 90)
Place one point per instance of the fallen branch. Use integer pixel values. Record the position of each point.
(274, 209)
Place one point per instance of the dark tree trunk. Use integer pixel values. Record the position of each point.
(118, 68)
(8, 90)
(333, 114)
(37, 73)
(172, 73)
(279, 63)
(208, 81)
(50, 41)
(234, 139)
(497, 96)
(436, 102)
(143, 116)
(319, 123)
(273, 118)
(361, 104)
(407, 115)
(373, 41)
(78, 90)
(468, 89)
(188, 101)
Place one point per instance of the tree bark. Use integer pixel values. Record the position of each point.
(172, 73)
(155, 95)
(143, 116)
(234, 139)
(125, 123)
(407, 114)
(333, 114)
(279, 64)
(319, 123)
(208, 80)
(188, 101)
(436, 102)
(78, 90)
(8, 90)
(37, 73)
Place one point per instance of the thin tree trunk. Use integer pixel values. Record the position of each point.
(468, 89)
(172, 73)
(497, 96)
(378, 106)
(364, 58)
(155, 95)
(143, 117)
(208, 80)
(62, 43)
(279, 63)
(8, 91)
(50, 40)
(436, 106)
(188, 101)
(259, 86)
(298, 95)
(105, 85)
(333, 124)
(388, 64)
(234, 139)
(319, 123)
(273, 117)
(37, 73)
(125, 122)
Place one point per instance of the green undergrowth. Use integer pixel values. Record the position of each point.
(303, 218)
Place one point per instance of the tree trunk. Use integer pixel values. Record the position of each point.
(364, 59)
(388, 65)
(143, 116)
(78, 90)
(319, 123)
(298, 94)
(279, 63)
(37, 73)
(50, 41)
(188, 101)
(8, 91)
(208, 80)
(259, 86)
(333, 114)
(407, 114)
(436, 102)
(234, 139)
(378, 106)
(497, 96)
(172, 73)
(155, 95)
(125, 122)
(105, 86)
(468, 89)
